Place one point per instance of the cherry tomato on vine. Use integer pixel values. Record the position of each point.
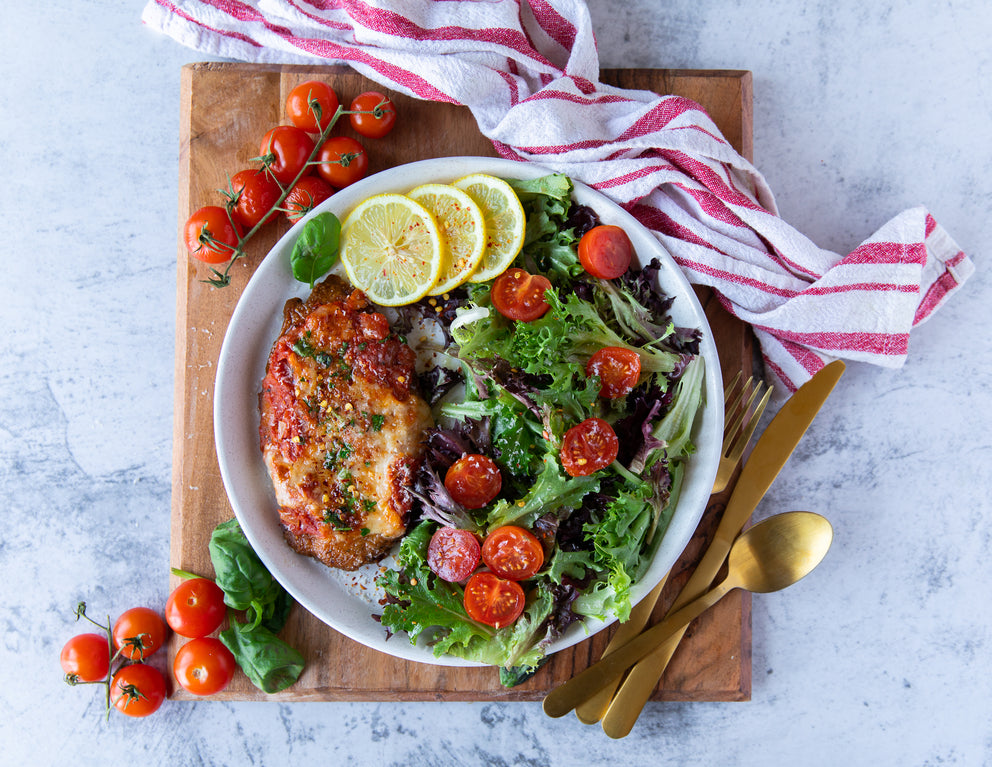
(255, 192)
(473, 480)
(285, 151)
(342, 161)
(195, 608)
(605, 251)
(519, 295)
(453, 554)
(211, 236)
(379, 117)
(491, 600)
(513, 553)
(139, 632)
(204, 666)
(617, 368)
(588, 447)
(306, 195)
(86, 657)
(308, 99)
(138, 689)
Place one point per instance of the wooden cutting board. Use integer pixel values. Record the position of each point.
(226, 108)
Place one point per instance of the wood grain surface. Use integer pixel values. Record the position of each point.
(225, 110)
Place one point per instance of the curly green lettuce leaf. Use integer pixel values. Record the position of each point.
(420, 601)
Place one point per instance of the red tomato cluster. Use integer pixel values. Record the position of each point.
(494, 595)
(118, 656)
(299, 166)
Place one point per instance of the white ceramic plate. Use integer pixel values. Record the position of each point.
(346, 601)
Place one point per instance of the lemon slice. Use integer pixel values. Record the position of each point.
(391, 249)
(464, 229)
(505, 222)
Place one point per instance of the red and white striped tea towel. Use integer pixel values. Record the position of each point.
(528, 70)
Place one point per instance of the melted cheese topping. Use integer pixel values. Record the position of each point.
(341, 428)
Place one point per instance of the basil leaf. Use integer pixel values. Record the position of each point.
(242, 577)
(316, 249)
(270, 663)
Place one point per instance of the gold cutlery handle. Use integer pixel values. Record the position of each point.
(592, 710)
(563, 699)
(626, 706)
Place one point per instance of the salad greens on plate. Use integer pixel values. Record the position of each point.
(512, 390)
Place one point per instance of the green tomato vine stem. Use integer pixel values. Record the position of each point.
(221, 279)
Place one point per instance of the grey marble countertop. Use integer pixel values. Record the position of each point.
(880, 657)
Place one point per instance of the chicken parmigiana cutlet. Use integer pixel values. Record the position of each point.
(341, 427)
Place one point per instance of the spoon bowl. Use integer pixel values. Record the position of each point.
(778, 552)
(769, 556)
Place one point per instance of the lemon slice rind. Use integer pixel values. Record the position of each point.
(506, 223)
(391, 249)
(463, 226)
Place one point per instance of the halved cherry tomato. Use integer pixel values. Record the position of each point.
(605, 251)
(588, 447)
(342, 161)
(139, 632)
(255, 192)
(86, 657)
(138, 689)
(473, 480)
(453, 554)
(519, 295)
(513, 553)
(617, 368)
(195, 608)
(379, 117)
(285, 150)
(211, 236)
(204, 666)
(306, 195)
(491, 600)
(308, 99)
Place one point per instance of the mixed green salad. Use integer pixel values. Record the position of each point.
(511, 391)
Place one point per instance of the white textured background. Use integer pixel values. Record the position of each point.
(881, 657)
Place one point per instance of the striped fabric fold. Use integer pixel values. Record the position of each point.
(529, 72)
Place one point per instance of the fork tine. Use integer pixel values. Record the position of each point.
(748, 430)
(729, 389)
(736, 411)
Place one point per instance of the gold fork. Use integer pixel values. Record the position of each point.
(738, 405)
(736, 435)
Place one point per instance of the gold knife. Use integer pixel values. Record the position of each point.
(770, 453)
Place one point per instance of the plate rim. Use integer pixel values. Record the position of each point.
(294, 572)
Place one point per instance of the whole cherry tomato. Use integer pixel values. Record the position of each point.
(588, 447)
(513, 553)
(605, 251)
(342, 161)
(285, 151)
(306, 195)
(139, 632)
(519, 295)
(138, 689)
(617, 368)
(473, 480)
(195, 608)
(211, 236)
(379, 114)
(491, 600)
(255, 192)
(204, 666)
(309, 99)
(453, 554)
(86, 657)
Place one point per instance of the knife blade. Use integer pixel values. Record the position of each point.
(769, 455)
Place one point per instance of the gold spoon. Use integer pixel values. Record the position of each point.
(768, 557)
